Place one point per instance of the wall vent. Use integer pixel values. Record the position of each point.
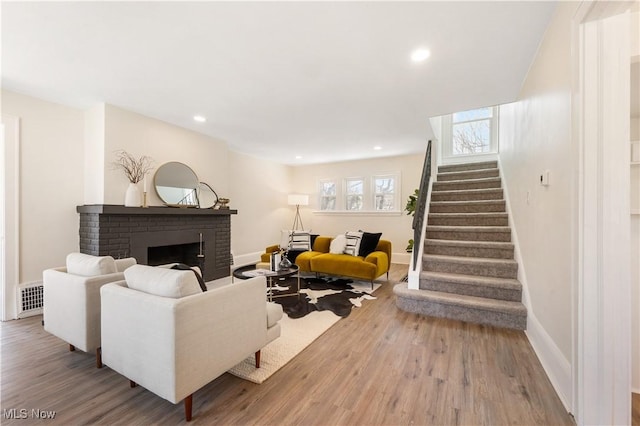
(30, 299)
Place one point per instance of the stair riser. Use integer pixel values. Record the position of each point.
(468, 166)
(497, 207)
(469, 236)
(468, 221)
(483, 270)
(459, 186)
(477, 290)
(478, 316)
(491, 253)
(467, 196)
(480, 174)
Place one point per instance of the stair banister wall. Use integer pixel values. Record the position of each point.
(421, 213)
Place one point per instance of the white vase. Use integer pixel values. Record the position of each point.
(132, 196)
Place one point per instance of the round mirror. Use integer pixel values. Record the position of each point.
(207, 196)
(176, 185)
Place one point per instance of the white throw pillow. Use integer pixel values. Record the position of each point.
(338, 244)
(87, 265)
(162, 281)
(285, 237)
(353, 242)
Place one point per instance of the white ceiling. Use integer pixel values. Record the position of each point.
(324, 80)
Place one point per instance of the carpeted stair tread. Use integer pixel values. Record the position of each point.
(468, 166)
(470, 206)
(472, 280)
(468, 174)
(467, 260)
(480, 229)
(481, 266)
(469, 219)
(468, 248)
(468, 194)
(470, 244)
(499, 313)
(484, 183)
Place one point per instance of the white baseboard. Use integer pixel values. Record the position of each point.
(403, 258)
(557, 367)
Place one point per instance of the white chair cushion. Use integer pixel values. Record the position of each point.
(162, 281)
(87, 265)
(338, 244)
(274, 313)
(122, 264)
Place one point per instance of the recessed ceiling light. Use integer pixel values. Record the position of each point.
(420, 55)
(199, 118)
(298, 157)
(377, 148)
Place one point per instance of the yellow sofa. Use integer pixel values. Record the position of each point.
(320, 261)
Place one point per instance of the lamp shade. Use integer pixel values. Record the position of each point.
(298, 200)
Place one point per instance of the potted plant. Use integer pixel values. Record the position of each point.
(410, 208)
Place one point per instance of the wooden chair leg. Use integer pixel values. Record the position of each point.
(258, 359)
(132, 384)
(72, 348)
(99, 358)
(188, 405)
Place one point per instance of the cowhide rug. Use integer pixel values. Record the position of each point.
(338, 295)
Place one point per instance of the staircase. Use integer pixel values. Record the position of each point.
(469, 272)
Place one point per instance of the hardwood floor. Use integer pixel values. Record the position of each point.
(378, 366)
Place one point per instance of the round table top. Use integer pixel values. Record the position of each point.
(250, 271)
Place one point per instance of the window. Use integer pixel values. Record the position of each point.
(328, 195)
(364, 195)
(384, 193)
(354, 191)
(470, 132)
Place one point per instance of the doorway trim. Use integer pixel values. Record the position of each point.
(602, 283)
(10, 181)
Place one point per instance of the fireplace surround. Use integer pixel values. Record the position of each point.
(157, 235)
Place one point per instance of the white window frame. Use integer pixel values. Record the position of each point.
(321, 183)
(397, 189)
(346, 193)
(368, 201)
(447, 135)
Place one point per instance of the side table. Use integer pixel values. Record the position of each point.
(250, 271)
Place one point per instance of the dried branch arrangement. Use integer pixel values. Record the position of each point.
(134, 169)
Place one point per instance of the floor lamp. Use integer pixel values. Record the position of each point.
(298, 200)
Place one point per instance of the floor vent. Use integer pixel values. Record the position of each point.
(30, 299)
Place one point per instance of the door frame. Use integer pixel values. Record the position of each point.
(10, 221)
(602, 282)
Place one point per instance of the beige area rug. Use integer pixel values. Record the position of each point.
(296, 335)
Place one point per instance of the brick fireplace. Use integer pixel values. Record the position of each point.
(156, 235)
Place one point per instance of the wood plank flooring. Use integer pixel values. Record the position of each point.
(379, 366)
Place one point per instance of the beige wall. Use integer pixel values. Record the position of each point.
(51, 181)
(396, 228)
(535, 135)
(163, 142)
(258, 190)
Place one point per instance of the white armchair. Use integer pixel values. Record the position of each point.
(72, 298)
(175, 343)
